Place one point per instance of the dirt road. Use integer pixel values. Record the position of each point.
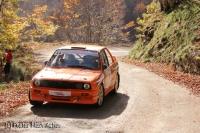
(146, 103)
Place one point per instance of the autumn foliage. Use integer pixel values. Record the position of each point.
(140, 7)
(91, 21)
(14, 96)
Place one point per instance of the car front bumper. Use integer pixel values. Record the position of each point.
(64, 96)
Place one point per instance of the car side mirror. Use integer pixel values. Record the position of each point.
(45, 63)
(104, 66)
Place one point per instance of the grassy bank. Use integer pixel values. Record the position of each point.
(173, 38)
(24, 65)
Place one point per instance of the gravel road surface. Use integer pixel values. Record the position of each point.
(146, 103)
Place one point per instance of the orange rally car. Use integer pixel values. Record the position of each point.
(76, 74)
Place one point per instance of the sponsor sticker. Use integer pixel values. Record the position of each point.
(59, 93)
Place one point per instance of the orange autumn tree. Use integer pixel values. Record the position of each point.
(64, 17)
(92, 21)
(139, 8)
(38, 26)
(147, 18)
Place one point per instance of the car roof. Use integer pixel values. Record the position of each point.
(84, 47)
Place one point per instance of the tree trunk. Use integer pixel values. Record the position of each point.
(2, 2)
(88, 22)
(166, 5)
(68, 35)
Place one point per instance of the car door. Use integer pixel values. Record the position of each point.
(107, 71)
(113, 72)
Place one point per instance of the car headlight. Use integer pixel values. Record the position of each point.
(86, 86)
(37, 82)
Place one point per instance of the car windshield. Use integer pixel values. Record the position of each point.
(63, 58)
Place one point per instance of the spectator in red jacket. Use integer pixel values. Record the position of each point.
(8, 59)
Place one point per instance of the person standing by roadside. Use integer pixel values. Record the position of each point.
(8, 59)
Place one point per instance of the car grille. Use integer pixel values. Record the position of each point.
(60, 84)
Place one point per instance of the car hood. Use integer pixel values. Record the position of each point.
(68, 74)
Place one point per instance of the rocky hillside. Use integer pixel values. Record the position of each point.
(172, 37)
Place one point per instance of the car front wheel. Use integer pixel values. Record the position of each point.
(35, 103)
(100, 97)
(116, 86)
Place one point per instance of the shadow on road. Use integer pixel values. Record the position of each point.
(113, 105)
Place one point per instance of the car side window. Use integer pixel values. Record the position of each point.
(104, 58)
(108, 56)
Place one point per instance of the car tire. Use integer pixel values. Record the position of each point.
(35, 103)
(100, 97)
(116, 86)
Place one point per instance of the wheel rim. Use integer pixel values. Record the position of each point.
(116, 83)
(100, 100)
